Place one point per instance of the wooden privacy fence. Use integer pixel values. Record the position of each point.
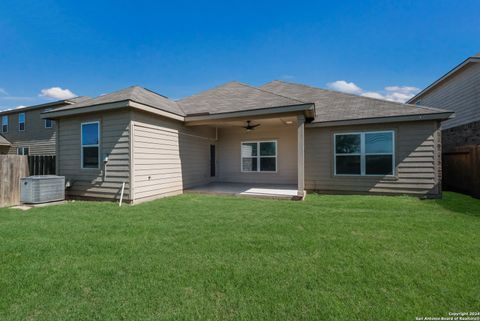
(41, 165)
(461, 170)
(12, 168)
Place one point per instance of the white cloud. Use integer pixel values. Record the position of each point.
(398, 94)
(407, 90)
(3, 92)
(345, 87)
(398, 97)
(57, 93)
(372, 94)
(21, 106)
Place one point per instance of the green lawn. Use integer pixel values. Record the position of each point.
(224, 258)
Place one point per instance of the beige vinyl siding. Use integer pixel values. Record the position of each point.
(39, 140)
(167, 156)
(417, 161)
(156, 159)
(229, 154)
(114, 141)
(459, 93)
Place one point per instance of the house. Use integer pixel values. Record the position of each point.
(283, 135)
(24, 132)
(459, 91)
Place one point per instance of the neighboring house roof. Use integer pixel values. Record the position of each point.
(454, 71)
(4, 141)
(233, 97)
(50, 105)
(135, 94)
(333, 106)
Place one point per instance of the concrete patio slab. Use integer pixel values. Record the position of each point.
(275, 191)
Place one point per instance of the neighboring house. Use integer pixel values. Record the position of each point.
(308, 137)
(459, 91)
(24, 132)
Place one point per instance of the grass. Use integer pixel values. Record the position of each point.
(197, 257)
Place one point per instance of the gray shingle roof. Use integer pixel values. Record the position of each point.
(134, 93)
(4, 141)
(336, 106)
(49, 105)
(78, 99)
(234, 96)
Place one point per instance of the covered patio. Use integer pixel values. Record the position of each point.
(259, 141)
(239, 166)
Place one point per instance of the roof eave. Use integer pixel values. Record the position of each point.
(309, 108)
(54, 114)
(4, 141)
(27, 108)
(107, 107)
(378, 120)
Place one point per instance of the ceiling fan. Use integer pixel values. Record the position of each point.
(249, 126)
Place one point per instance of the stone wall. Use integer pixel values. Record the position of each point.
(468, 134)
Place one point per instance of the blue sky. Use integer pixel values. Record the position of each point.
(178, 48)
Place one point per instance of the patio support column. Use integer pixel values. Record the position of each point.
(301, 154)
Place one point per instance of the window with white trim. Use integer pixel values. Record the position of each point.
(22, 151)
(48, 123)
(259, 156)
(21, 121)
(90, 141)
(5, 124)
(364, 153)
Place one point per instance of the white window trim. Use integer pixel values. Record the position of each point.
(24, 122)
(22, 148)
(7, 124)
(363, 154)
(258, 156)
(95, 145)
(51, 123)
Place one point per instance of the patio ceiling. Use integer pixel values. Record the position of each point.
(266, 122)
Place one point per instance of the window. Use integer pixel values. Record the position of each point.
(366, 153)
(48, 123)
(22, 151)
(21, 121)
(90, 140)
(5, 124)
(259, 156)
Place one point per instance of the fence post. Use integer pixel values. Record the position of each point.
(476, 171)
(12, 168)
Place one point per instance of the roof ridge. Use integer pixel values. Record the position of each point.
(160, 95)
(270, 92)
(357, 96)
(209, 89)
(153, 92)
